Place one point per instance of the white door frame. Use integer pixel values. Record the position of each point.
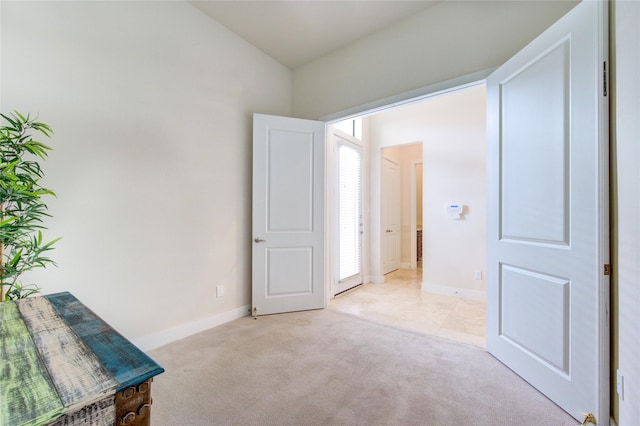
(413, 188)
(374, 160)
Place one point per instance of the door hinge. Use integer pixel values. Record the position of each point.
(620, 384)
(604, 78)
(607, 269)
(589, 419)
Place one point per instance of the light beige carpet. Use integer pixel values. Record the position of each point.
(330, 368)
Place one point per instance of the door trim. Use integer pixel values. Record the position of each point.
(412, 96)
(413, 188)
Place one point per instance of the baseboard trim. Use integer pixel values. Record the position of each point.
(455, 291)
(376, 279)
(164, 337)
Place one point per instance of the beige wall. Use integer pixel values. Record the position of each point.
(151, 104)
(453, 133)
(448, 40)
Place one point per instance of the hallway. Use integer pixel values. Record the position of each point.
(400, 301)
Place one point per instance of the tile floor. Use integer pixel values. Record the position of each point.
(400, 301)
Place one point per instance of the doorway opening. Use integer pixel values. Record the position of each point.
(425, 269)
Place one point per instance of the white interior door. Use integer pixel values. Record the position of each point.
(390, 215)
(547, 292)
(288, 215)
(349, 214)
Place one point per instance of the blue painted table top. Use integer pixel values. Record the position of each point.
(57, 356)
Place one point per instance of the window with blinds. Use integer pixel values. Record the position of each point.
(350, 165)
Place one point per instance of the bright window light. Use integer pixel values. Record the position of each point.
(352, 127)
(350, 211)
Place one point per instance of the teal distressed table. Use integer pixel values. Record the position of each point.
(60, 364)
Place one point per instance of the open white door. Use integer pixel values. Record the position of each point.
(390, 214)
(547, 289)
(288, 215)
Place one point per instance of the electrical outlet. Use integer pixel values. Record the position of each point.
(219, 291)
(477, 275)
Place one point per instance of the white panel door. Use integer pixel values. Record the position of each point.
(547, 294)
(288, 215)
(390, 216)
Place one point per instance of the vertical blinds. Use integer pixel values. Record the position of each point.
(350, 211)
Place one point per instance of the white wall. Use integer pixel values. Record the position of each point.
(626, 260)
(453, 131)
(448, 40)
(151, 105)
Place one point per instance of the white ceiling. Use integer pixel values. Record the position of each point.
(296, 32)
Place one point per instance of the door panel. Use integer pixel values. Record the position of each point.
(290, 183)
(535, 143)
(547, 296)
(288, 215)
(526, 294)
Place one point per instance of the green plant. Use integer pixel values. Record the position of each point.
(21, 207)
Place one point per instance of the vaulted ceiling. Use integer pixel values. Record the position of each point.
(297, 32)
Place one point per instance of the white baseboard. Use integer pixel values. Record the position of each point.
(161, 338)
(455, 291)
(376, 279)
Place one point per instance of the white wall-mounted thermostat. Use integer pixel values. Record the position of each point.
(455, 211)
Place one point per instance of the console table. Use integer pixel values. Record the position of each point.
(61, 364)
